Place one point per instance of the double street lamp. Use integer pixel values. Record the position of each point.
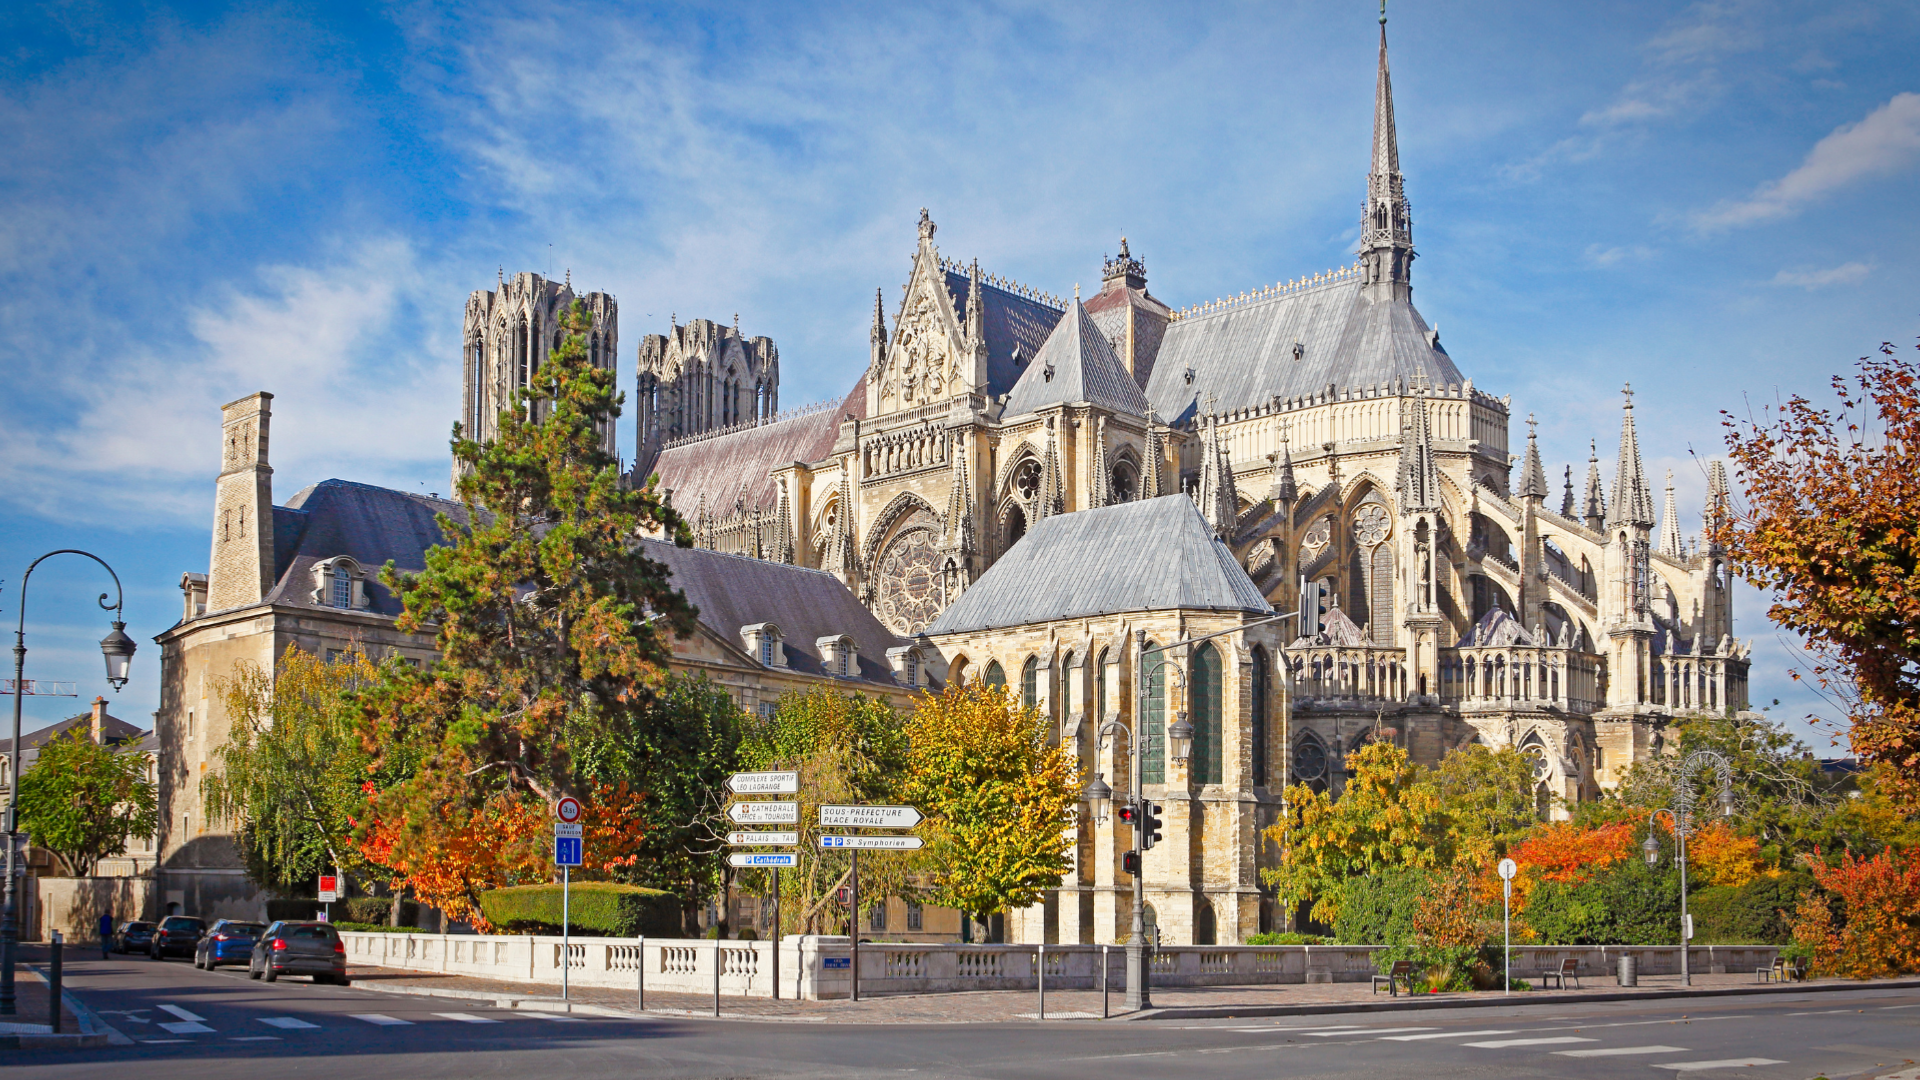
(118, 648)
(1681, 815)
(1135, 809)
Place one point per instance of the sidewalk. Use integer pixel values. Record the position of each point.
(1007, 1006)
(28, 1028)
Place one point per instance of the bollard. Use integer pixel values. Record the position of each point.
(53, 985)
(640, 974)
(1629, 970)
(1106, 969)
(716, 975)
(1040, 973)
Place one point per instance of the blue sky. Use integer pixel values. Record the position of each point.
(1716, 202)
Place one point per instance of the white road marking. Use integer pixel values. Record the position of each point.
(380, 1020)
(1885, 1007)
(466, 1018)
(1822, 1012)
(1728, 1063)
(255, 1038)
(163, 1042)
(556, 1018)
(286, 1023)
(1499, 1044)
(1621, 1051)
(186, 1027)
(1445, 1035)
(1361, 1031)
(182, 1014)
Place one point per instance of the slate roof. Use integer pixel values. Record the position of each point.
(1012, 321)
(1243, 355)
(369, 524)
(732, 591)
(1149, 555)
(1076, 364)
(117, 731)
(722, 466)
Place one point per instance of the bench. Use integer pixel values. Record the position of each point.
(1569, 969)
(1401, 974)
(1783, 969)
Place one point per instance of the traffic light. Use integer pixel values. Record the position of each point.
(1129, 813)
(1149, 825)
(1313, 607)
(1130, 862)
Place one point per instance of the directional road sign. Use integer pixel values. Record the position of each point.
(743, 860)
(566, 851)
(567, 809)
(764, 783)
(872, 843)
(869, 817)
(765, 813)
(569, 828)
(750, 839)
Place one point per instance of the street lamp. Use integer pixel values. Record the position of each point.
(1180, 737)
(118, 648)
(1681, 815)
(1098, 794)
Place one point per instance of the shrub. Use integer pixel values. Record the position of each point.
(1868, 924)
(1757, 913)
(1627, 903)
(356, 909)
(601, 908)
(377, 928)
(1378, 910)
(1288, 939)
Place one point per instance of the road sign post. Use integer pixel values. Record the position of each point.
(329, 892)
(853, 923)
(569, 844)
(1507, 869)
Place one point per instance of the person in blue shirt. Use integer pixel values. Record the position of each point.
(106, 933)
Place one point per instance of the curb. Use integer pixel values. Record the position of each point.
(93, 1032)
(1534, 997)
(524, 1004)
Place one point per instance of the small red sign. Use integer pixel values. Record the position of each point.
(567, 809)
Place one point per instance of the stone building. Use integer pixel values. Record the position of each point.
(305, 574)
(699, 378)
(1340, 460)
(509, 332)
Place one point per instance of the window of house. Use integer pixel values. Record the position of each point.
(877, 916)
(913, 669)
(914, 916)
(766, 649)
(342, 587)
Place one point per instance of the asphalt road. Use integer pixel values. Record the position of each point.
(194, 1025)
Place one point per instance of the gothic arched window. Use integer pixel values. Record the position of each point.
(1209, 753)
(1259, 713)
(995, 674)
(1310, 763)
(1100, 671)
(1030, 683)
(1153, 768)
(1122, 483)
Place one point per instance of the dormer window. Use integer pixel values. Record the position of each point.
(839, 655)
(905, 662)
(763, 643)
(341, 584)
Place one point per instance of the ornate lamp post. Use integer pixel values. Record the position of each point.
(118, 649)
(1682, 817)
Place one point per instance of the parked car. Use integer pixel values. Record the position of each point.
(228, 941)
(177, 935)
(133, 936)
(299, 948)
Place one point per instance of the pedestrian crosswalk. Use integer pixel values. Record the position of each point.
(186, 1022)
(1578, 1043)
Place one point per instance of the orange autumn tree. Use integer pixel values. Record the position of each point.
(543, 611)
(1875, 931)
(1829, 527)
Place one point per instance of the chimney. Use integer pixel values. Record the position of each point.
(100, 721)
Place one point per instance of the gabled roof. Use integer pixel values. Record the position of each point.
(368, 524)
(725, 466)
(1148, 555)
(1076, 364)
(117, 732)
(732, 591)
(1243, 354)
(1012, 322)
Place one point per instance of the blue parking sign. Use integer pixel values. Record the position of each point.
(566, 851)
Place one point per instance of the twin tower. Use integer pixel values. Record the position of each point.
(696, 379)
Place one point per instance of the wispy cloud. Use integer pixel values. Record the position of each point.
(1844, 274)
(1602, 255)
(1887, 141)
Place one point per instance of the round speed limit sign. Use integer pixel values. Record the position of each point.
(567, 809)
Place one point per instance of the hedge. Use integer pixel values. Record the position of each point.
(597, 908)
(1750, 914)
(358, 909)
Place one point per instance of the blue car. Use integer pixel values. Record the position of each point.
(226, 942)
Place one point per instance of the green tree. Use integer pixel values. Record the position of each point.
(677, 754)
(292, 775)
(82, 800)
(1490, 799)
(847, 748)
(1625, 903)
(998, 796)
(542, 607)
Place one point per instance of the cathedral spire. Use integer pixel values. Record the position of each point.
(1596, 509)
(1386, 229)
(1632, 501)
(1714, 516)
(1670, 523)
(1566, 499)
(1218, 498)
(1419, 480)
(1533, 478)
(1150, 464)
(1049, 503)
(1284, 490)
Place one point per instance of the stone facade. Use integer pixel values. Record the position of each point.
(700, 378)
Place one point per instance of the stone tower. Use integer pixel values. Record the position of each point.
(702, 377)
(240, 570)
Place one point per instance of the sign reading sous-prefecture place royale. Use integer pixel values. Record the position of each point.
(868, 817)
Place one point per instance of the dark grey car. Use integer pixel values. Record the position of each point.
(299, 948)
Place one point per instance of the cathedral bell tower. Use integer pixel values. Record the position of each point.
(1386, 228)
